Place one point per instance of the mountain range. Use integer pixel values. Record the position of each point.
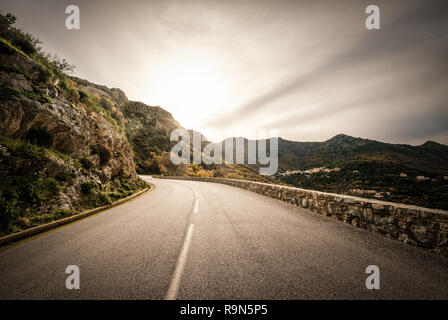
(415, 175)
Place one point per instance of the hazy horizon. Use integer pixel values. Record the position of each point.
(310, 70)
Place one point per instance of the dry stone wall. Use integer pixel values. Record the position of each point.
(417, 226)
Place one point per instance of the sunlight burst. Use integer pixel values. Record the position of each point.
(191, 87)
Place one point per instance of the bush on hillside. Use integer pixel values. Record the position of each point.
(25, 42)
(88, 187)
(28, 44)
(86, 163)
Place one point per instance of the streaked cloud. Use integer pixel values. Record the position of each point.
(307, 68)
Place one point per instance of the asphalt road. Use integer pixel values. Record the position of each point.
(197, 240)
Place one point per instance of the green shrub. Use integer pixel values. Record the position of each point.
(64, 176)
(115, 195)
(103, 199)
(45, 76)
(22, 222)
(72, 94)
(52, 185)
(14, 40)
(24, 42)
(94, 102)
(106, 103)
(63, 84)
(35, 190)
(8, 207)
(84, 96)
(19, 39)
(8, 92)
(51, 216)
(86, 163)
(42, 98)
(88, 187)
(27, 150)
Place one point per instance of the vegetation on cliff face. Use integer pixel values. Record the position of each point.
(62, 149)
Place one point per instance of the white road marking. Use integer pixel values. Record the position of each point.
(177, 275)
(196, 201)
(180, 265)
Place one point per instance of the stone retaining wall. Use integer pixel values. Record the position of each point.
(417, 226)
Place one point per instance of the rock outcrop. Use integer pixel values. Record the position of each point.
(50, 131)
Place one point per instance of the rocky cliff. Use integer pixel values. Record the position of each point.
(147, 128)
(62, 143)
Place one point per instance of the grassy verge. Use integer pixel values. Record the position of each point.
(15, 216)
(35, 180)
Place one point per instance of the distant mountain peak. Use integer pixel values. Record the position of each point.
(341, 135)
(342, 138)
(431, 143)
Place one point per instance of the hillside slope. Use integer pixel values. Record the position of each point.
(341, 149)
(61, 150)
(394, 172)
(403, 173)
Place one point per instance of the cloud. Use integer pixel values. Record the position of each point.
(406, 48)
(307, 68)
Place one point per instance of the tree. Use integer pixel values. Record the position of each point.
(61, 63)
(11, 18)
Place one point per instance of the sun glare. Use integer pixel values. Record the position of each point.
(192, 88)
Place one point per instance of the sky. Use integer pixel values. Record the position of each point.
(304, 70)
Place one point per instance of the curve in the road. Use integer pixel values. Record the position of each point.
(197, 240)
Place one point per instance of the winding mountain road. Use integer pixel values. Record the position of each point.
(198, 240)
